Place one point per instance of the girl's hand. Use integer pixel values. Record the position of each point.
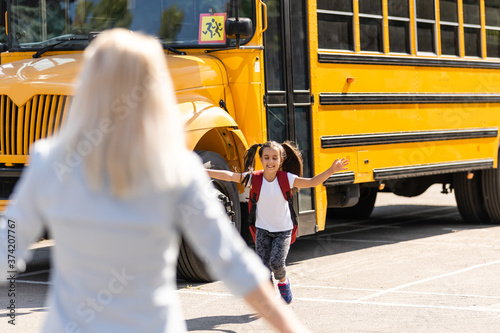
(339, 165)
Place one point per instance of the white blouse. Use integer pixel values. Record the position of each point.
(114, 260)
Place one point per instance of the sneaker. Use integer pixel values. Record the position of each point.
(285, 291)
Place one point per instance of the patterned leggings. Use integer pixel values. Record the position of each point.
(272, 248)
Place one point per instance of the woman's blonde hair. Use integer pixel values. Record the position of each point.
(123, 122)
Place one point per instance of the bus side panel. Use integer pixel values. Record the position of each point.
(428, 85)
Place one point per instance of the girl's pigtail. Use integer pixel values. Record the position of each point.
(249, 163)
(293, 161)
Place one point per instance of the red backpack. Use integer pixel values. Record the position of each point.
(254, 197)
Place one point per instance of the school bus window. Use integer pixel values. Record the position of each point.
(426, 21)
(398, 8)
(399, 26)
(303, 133)
(36, 23)
(449, 27)
(370, 7)
(472, 28)
(472, 37)
(425, 37)
(370, 25)
(299, 45)
(274, 49)
(276, 124)
(336, 5)
(335, 25)
(3, 35)
(492, 11)
(471, 12)
(425, 9)
(492, 43)
(448, 10)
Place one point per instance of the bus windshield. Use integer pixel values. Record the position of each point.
(180, 23)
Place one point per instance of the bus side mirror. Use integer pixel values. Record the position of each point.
(3, 47)
(238, 27)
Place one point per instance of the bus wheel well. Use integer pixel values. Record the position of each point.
(221, 141)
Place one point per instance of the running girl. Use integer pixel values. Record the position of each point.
(273, 218)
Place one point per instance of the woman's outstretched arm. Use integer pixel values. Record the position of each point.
(282, 319)
(337, 165)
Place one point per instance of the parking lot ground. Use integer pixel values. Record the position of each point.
(413, 266)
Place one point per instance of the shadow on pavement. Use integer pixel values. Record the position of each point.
(211, 323)
(387, 225)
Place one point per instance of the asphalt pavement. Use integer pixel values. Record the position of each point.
(413, 266)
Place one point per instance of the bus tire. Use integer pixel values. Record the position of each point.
(189, 266)
(363, 209)
(491, 193)
(469, 197)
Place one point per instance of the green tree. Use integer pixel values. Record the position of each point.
(106, 14)
(171, 22)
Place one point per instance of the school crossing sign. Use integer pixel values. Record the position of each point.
(212, 28)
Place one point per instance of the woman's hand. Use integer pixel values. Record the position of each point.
(276, 313)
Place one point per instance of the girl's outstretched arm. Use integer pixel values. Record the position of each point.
(225, 175)
(337, 165)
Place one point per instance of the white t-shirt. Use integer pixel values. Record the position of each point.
(273, 213)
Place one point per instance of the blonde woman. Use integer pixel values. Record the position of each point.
(115, 188)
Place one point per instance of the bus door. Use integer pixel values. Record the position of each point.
(288, 92)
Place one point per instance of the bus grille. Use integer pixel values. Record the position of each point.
(39, 118)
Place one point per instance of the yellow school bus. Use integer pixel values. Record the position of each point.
(408, 90)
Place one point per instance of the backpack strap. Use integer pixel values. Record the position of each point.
(257, 177)
(287, 193)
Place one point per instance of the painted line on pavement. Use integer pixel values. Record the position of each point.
(383, 292)
(417, 242)
(357, 302)
(397, 291)
(404, 305)
(205, 293)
